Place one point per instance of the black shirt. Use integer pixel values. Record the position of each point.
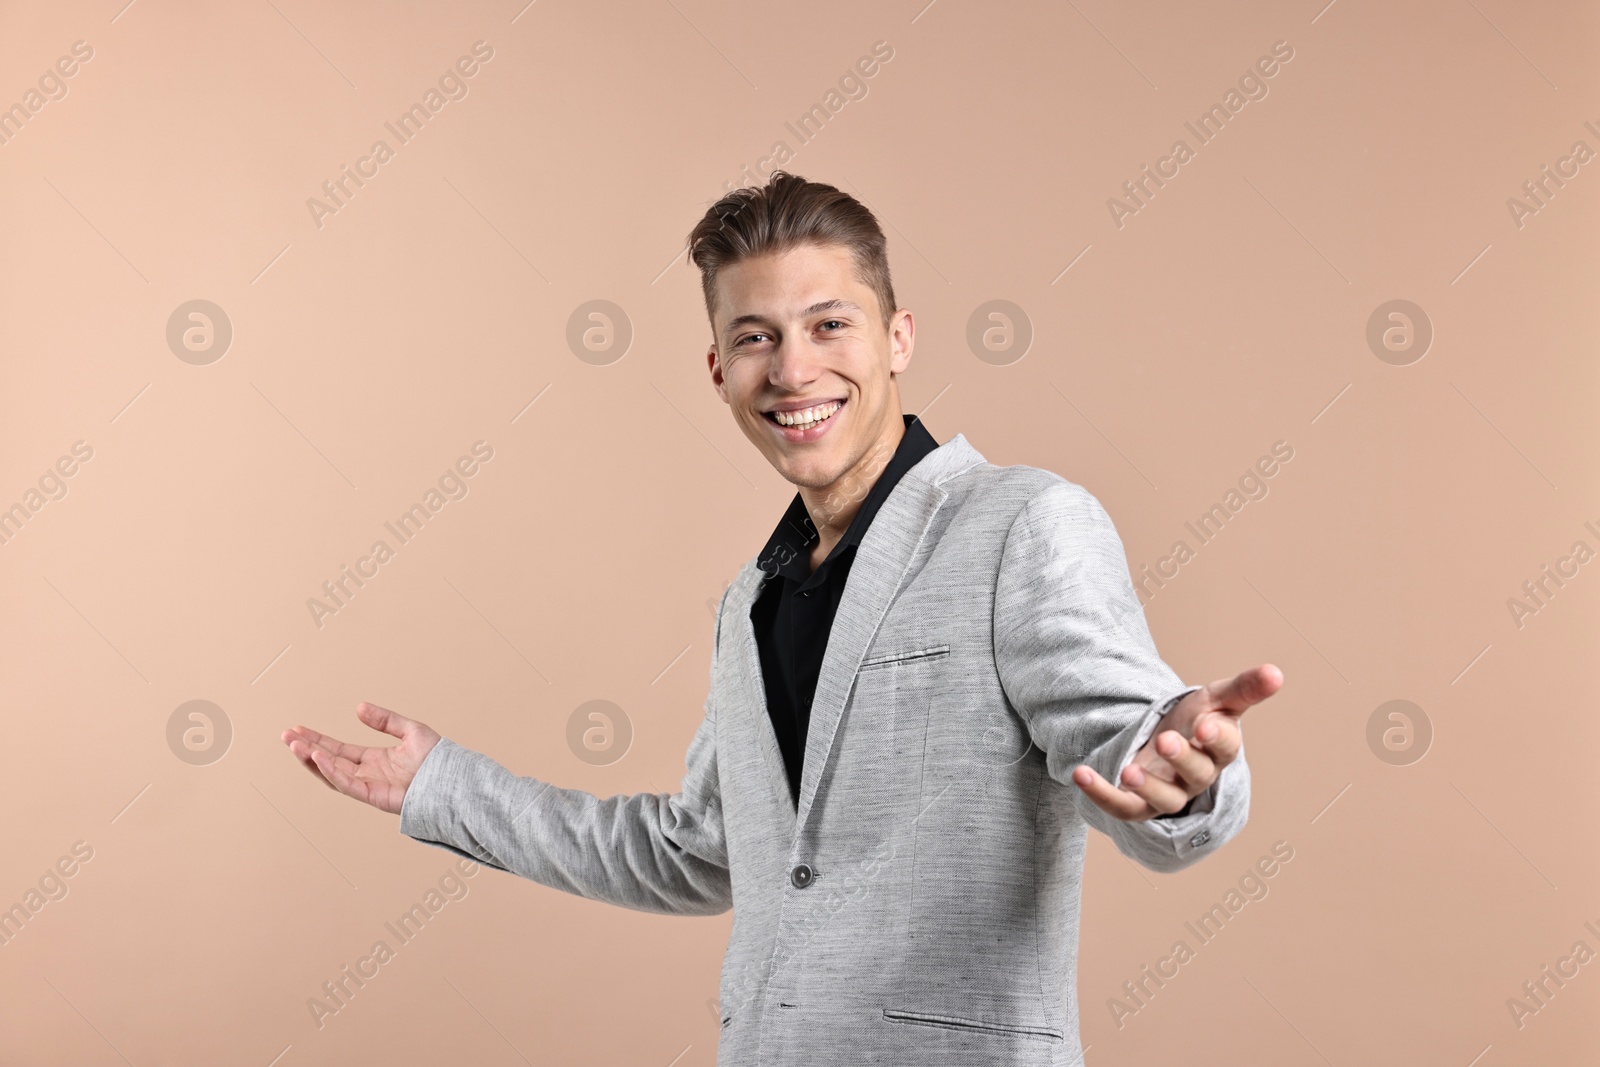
(793, 613)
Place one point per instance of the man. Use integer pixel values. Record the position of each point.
(922, 691)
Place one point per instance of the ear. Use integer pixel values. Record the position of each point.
(715, 366)
(902, 338)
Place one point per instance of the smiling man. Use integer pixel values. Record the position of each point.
(927, 686)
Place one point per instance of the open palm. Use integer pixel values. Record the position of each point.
(1191, 745)
(376, 776)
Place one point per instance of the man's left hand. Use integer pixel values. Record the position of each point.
(1190, 746)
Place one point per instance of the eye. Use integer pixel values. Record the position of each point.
(747, 337)
(841, 325)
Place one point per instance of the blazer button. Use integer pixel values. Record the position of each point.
(801, 876)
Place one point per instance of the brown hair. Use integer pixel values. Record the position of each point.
(788, 211)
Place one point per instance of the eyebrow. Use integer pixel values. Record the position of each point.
(823, 305)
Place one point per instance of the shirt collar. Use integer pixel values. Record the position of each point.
(788, 550)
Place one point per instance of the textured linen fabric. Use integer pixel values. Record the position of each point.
(793, 613)
(921, 906)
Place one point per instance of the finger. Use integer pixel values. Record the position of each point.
(332, 745)
(1118, 803)
(1195, 767)
(342, 774)
(1245, 688)
(303, 756)
(390, 722)
(1154, 763)
(1220, 737)
(1157, 767)
(1164, 797)
(353, 754)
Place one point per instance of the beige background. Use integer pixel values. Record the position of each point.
(431, 311)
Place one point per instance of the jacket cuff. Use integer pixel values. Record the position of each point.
(426, 811)
(1175, 841)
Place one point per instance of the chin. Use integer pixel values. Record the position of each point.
(811, 475)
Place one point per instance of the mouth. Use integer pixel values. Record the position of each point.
(808, 424)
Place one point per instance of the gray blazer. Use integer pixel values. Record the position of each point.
(921, 906)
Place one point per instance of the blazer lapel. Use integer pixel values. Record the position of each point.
(752, 686)
(882, 560)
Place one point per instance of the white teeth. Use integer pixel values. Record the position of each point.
(807, 417)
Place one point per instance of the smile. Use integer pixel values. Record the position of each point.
(807, 424)
(805, 418)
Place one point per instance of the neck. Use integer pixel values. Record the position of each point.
(833, 507)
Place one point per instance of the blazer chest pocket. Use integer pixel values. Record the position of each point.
(905, 658)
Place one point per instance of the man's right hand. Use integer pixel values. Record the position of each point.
(376, 776)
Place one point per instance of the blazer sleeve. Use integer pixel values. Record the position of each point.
(1076, 660)
(646, 851)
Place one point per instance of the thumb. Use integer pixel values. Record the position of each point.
(1247, 688)
(384, 720)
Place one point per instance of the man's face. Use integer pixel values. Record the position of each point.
(797, 330)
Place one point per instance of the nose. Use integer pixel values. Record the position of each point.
(793, 366)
